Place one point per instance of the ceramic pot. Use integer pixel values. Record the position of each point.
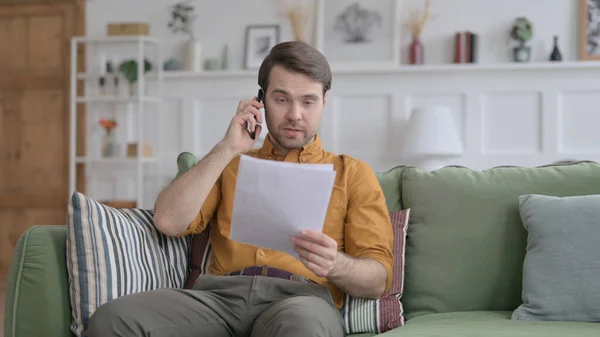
(522, 54)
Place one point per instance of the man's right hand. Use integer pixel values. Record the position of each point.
(237, 139)
(178, 204)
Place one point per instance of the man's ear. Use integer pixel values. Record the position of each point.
(325, 98)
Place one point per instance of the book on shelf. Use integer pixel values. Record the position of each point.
(466, 47)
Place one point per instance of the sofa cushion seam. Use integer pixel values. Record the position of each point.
(18, 282)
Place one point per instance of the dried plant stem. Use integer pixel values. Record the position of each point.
(297, 19)
(297, 14)
(418, 20)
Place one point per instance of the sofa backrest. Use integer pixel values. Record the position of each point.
(391, 184)
(466, 242)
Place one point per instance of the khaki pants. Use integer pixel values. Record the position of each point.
(220, 306)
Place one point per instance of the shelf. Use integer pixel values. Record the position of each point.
(151, 75)
(399, 69)
(468, 67)
(145, 164)
(117, 39)
(180, 74)
(109, 99)
(114, 160)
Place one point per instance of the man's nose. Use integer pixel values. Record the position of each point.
(295, 112)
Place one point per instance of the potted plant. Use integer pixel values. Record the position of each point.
(182, 20)
(522, 31)
(129, 69)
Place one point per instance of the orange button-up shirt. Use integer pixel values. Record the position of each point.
(357, 217)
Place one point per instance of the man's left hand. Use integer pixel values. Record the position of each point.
(317, 251)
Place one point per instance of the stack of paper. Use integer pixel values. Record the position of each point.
(277, 200)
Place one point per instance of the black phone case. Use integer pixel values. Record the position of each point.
(259, 98)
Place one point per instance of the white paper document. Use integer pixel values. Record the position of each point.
(277, 200)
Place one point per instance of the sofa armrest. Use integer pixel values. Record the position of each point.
(37, 293)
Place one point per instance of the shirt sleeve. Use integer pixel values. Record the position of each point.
(206, 212)
(368, 232)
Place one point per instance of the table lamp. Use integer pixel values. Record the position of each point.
(431, 136)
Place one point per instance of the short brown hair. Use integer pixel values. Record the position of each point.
(298, 57)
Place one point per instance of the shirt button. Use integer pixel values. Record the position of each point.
(303, 159)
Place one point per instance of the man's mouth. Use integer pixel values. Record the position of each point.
(291, 131)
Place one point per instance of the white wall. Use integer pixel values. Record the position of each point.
(507, 114)
(223, 22)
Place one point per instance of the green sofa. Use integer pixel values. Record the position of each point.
(464, 254)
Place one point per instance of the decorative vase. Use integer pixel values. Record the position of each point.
(172, 64)
(193, 55)
(225, 58)
(556, 55)
(109, 145)
(416, 51)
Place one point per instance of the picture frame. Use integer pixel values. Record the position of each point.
(589, 30)
(347, 42)
(258, 43)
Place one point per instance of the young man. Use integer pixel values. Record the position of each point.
(252, 291)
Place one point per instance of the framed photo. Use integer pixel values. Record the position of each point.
(259, 41)
(589, 29)
(359, 32)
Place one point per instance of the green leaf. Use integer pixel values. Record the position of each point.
(129, 69)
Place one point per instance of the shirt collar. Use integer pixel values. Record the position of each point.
(306, 153)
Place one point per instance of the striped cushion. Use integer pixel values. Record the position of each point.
(377, 316)
(360, 315)
(114, 252)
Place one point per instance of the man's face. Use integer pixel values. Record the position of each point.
(294, 104)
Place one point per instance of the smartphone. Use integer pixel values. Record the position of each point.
(259, 98)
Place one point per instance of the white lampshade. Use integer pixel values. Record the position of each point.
(432, 130)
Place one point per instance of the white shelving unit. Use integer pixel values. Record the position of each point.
(120, 104)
